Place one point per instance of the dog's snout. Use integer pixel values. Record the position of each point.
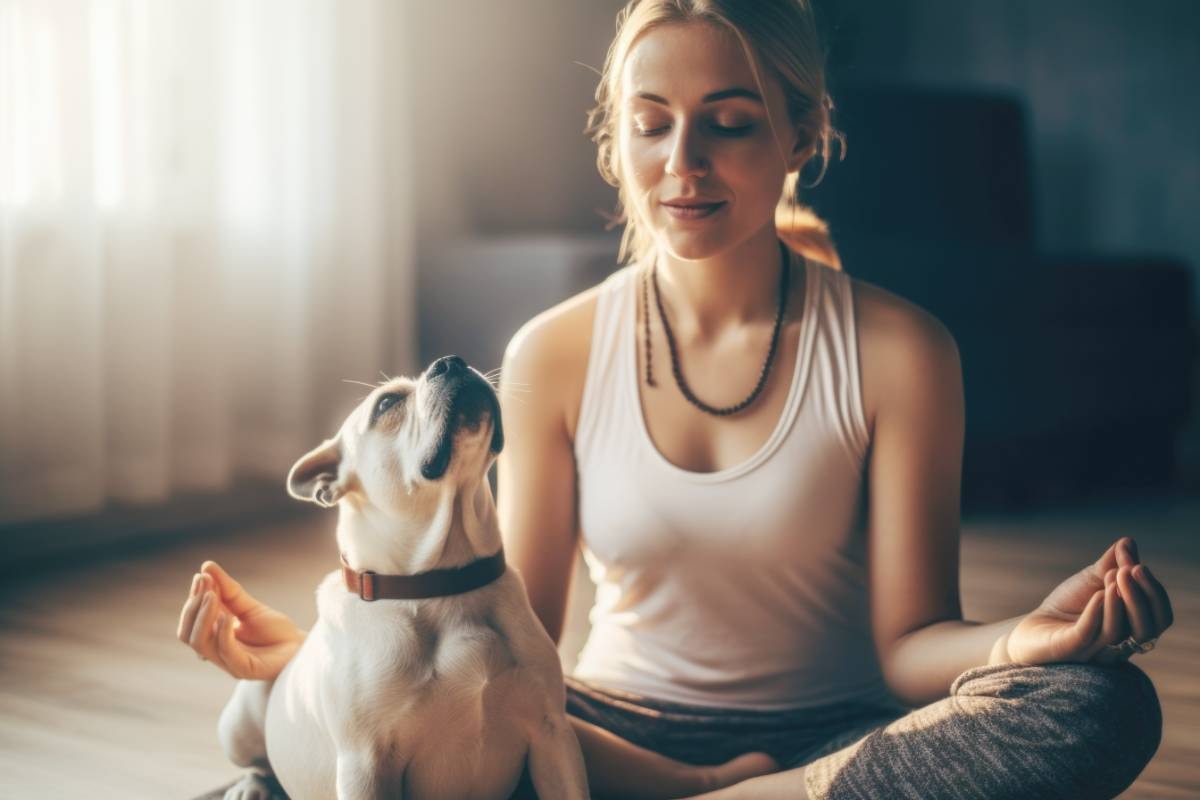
(446, 364)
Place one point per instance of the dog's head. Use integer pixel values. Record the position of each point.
(408, 437)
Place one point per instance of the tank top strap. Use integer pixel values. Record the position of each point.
(841, 369)
(604, 377)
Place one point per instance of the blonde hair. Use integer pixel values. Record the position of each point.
(778, 34)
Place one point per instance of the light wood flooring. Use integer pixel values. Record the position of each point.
(98, 699)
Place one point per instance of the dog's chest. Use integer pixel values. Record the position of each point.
(442, 688)
(401, 656)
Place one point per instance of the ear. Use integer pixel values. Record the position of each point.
(315, 476)
(803, 150)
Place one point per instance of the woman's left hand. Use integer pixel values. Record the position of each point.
(1092, 611)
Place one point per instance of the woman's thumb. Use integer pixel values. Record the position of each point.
(235, 598)
(231, 652)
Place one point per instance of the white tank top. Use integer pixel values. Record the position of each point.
(743, 588)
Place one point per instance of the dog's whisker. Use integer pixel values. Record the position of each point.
(360, 383)
(514, 398)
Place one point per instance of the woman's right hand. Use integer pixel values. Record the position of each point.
(228, 627)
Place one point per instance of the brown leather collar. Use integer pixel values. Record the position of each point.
(434, 583)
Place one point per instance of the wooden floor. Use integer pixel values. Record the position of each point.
(98, 699)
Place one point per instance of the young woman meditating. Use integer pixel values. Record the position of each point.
(760, 457)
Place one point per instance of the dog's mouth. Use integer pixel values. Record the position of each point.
(467, 402)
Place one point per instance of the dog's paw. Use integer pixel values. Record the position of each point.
(252, 786)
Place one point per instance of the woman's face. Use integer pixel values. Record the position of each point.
(701, 163)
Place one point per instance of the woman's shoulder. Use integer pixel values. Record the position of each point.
(898, 342)
(550, 351)
(880, 311)
(558, 333)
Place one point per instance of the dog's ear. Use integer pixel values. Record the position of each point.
(315, 476)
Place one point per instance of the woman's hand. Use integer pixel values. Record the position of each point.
(1099, 606)
(228, 627)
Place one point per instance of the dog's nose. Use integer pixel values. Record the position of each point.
(446, 364)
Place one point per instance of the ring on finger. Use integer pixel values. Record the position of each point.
(1128, 646)
(1146, 646)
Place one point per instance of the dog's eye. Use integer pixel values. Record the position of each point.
(387, 401)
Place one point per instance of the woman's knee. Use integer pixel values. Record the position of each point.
(1119, 703)
(1124, 696)
(1105, 719)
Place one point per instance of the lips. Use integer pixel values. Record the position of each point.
(692, 209)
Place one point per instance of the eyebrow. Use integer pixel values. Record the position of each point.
(724, 94)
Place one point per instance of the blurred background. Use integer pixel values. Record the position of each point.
(212, 214)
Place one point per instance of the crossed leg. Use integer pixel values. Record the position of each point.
(1008, 731)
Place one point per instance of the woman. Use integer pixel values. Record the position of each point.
(708, 424)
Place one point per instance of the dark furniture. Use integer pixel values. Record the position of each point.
(1077, 369)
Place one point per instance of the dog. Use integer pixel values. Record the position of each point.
(427, 674)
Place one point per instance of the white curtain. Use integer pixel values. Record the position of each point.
(204, 228)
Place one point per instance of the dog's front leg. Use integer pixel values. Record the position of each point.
(555, 760)
(366, 775)
(240, 732)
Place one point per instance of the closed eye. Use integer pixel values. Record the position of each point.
(731, 131)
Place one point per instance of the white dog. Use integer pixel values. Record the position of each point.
(446, 694)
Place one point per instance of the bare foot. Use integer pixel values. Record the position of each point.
(736, 770)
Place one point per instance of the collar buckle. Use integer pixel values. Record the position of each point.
(366, 585)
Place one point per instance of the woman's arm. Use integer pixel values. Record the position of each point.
(914, 474)
(911, 364)
(541, 383)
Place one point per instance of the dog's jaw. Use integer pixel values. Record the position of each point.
(456, 525)
(469, 404)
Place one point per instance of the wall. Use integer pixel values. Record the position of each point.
(501, 108)
(1110, 90)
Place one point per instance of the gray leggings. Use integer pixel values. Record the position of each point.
(1066, 731)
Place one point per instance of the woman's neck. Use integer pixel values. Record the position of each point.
(739, 286)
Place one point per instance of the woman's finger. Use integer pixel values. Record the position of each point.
(1160, 603)
(1087, 627)
(1126, 552)
(1115, 626)
(1106, 562)
(202, 631)
(187, 616)
(235, 598)
(1137, 606)
(228, 655)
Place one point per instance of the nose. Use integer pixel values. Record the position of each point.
(687, 158)
(446, 364)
